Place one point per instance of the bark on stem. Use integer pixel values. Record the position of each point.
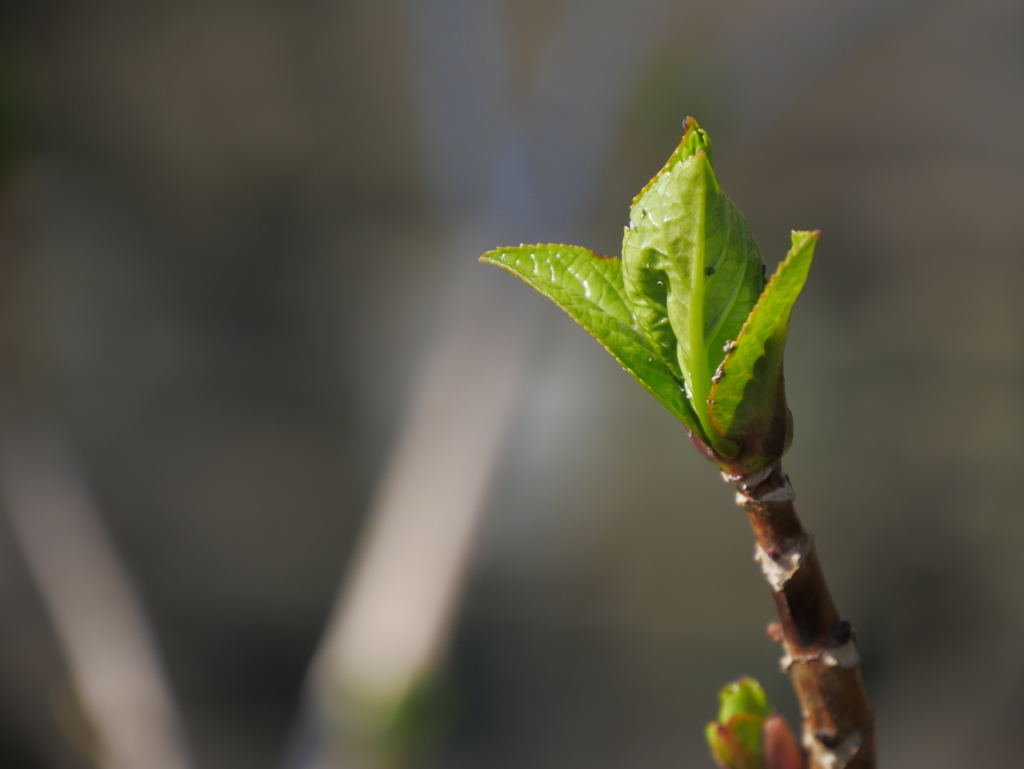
(819, 649)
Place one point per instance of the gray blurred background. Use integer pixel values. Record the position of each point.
(229, 233)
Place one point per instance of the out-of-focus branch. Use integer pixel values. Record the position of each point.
(96, 613)
(394, 614)
(532, 171)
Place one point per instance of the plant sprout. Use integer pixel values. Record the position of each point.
(688, 312)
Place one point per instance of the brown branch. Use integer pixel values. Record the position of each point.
(820, 653)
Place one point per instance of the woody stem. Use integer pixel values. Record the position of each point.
(819, 650)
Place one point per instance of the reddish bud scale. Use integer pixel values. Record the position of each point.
(780, 748)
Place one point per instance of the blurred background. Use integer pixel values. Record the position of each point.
(289, 480)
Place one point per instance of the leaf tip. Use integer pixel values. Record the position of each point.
(491, 257)
(800, 238)
(695, 141)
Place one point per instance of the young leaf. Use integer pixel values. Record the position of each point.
(691, 270)
(589, 288)
(748, 400)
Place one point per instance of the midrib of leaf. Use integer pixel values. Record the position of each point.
(700, 378)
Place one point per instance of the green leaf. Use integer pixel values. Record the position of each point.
(748, 400)
(691, 270)
(589, 288)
